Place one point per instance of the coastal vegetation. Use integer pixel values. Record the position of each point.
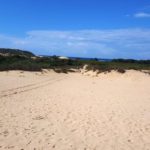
(15, 59)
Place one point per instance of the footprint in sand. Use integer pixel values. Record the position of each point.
(38, 118)
(6, 133)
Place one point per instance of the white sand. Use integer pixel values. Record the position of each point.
(74, 111)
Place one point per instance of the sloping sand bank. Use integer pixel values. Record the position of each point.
(74, 112)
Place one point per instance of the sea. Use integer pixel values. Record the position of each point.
(98, 59)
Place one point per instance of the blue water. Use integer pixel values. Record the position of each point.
(98, 59)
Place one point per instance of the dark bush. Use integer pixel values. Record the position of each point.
(121, 70)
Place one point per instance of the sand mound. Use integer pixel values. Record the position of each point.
(130, 74)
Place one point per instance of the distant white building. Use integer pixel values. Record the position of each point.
(62, 57)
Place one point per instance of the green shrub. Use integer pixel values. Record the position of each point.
(22, 62)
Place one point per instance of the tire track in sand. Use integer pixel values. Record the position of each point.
(28, 87)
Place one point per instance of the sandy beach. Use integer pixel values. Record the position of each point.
(44, 111)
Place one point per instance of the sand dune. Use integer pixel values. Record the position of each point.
(76, 111)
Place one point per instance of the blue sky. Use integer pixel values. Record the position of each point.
(84, 28)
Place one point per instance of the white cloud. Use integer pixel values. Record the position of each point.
(126, 43)
(142, 15)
